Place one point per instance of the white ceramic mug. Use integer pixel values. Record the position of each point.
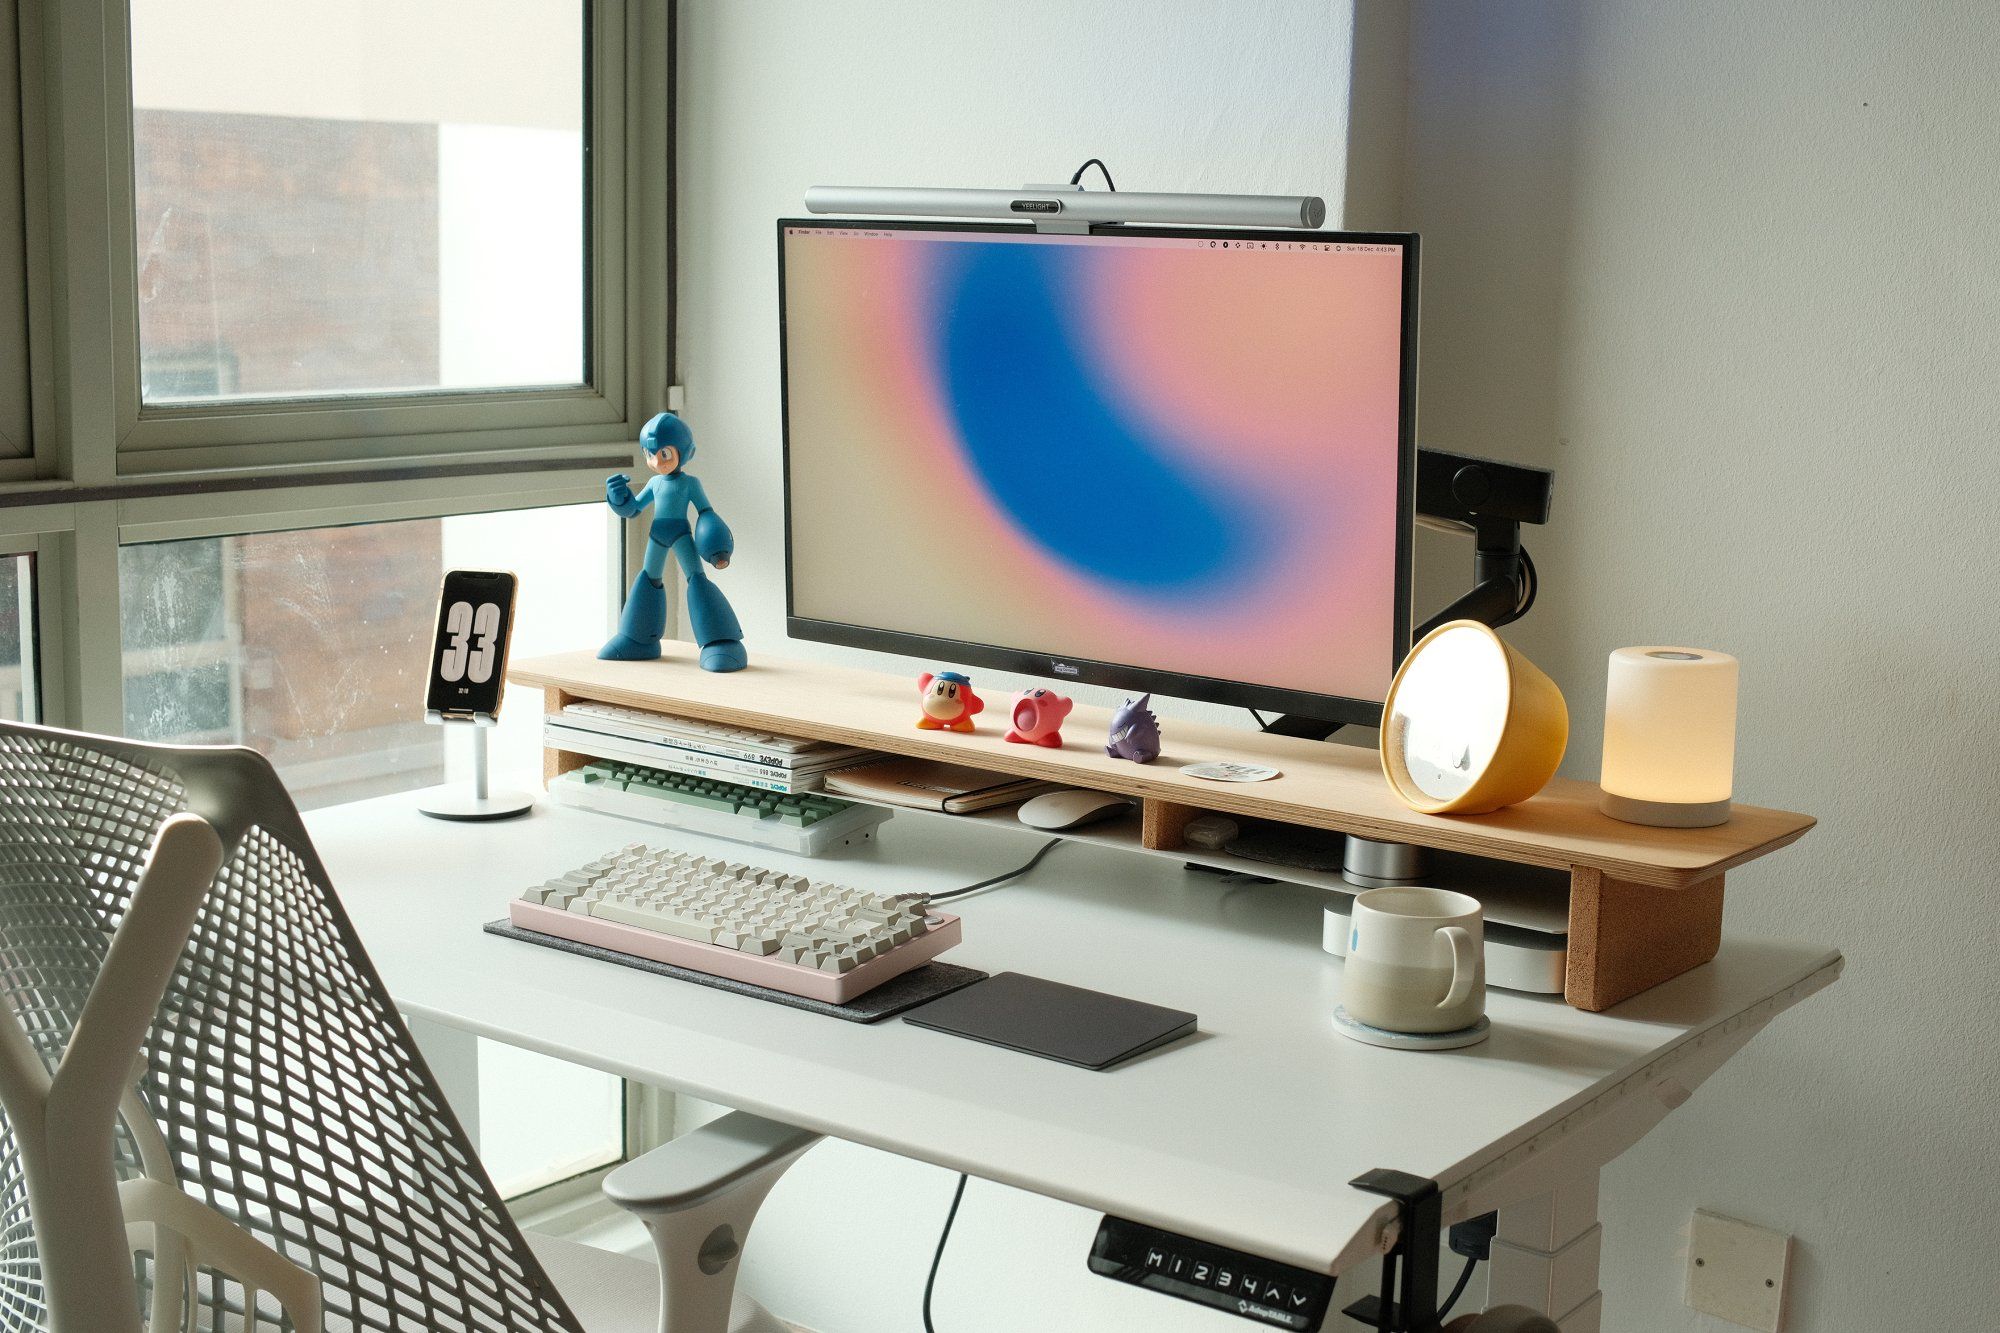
(1416, 960)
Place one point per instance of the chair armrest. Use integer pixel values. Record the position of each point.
(706, 1163)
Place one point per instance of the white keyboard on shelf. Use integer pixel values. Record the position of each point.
(619, 720)
(802, 936)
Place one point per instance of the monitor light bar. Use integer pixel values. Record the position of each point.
(1069, 207)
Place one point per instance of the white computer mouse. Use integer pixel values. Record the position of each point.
(1070, 808)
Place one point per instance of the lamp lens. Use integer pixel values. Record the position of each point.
(1450, 710)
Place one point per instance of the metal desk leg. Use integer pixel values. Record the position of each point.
(1545, 1255)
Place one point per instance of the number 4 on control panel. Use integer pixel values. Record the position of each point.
(469, 656)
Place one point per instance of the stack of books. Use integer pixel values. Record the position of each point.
(699, 749)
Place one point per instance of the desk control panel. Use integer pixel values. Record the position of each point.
(1256, 1289)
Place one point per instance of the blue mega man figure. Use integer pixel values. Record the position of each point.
(669, 446)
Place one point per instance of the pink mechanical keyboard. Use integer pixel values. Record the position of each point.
(787, 932)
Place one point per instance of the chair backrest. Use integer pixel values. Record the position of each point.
(286, 1086)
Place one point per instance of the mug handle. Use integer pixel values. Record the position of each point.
(1464, 965)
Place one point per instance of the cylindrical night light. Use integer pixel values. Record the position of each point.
(1669, 736)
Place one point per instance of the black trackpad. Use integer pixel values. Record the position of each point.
(1054, 1021)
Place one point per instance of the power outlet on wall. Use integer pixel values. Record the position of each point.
(1736, 1271)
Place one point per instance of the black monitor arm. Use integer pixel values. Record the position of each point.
(1491, 500)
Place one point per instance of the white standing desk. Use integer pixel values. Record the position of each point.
(1245, 1136)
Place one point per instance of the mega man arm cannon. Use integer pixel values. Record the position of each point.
(673, 491)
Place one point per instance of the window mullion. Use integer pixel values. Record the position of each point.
(86, 623)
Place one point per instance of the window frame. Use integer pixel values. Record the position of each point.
(100, 471)
(16, 411)
(106, 471)
(629, 58)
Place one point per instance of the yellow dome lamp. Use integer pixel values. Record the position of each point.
(1470, 724)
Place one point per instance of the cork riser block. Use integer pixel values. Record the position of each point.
(1625, 938)
(1161, 824)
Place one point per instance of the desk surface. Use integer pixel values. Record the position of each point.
(1245, 1135)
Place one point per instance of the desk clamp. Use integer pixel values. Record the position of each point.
(1408, 1299)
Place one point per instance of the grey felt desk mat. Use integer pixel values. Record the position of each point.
(918, 986)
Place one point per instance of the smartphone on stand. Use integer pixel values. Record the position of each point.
(469, 657)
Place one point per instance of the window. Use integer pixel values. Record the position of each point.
(311, 646)
(401, 209)
(19, 669)
(322, 298)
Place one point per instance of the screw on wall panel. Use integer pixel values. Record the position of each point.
(1701, 1263)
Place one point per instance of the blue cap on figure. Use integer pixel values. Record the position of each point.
(667, 431)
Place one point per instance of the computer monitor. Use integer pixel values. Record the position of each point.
(1160, 459)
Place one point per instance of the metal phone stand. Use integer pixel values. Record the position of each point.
(479, 801)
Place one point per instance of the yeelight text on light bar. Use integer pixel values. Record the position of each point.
(1046, 204)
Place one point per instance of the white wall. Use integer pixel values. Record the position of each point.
(1175, 95)
(1730, 269)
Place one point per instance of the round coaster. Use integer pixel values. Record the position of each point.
(1349, 1026)
(1221, 772)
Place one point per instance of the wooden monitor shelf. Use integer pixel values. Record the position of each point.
(1645, 903)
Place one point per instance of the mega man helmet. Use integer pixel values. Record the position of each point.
(667, 431)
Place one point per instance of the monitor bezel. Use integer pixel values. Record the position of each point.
(1120, 675)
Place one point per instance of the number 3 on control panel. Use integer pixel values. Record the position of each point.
(469, 657)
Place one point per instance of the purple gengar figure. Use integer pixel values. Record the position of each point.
(1135, 732)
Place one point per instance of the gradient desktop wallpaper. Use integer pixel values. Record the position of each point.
(1173, 453)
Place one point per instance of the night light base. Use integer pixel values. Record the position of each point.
(1665, 814)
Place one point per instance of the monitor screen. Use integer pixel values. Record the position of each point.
(1159, 459)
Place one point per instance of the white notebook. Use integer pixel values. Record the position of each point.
(926, 784)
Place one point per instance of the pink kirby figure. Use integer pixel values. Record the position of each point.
(1038, 716)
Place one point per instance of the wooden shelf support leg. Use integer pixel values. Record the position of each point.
(1626, 937)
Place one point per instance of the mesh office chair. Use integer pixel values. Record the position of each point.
(200, 1067)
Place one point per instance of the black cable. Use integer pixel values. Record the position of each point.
(930, 1283)
(1458, 1289)
(1015, 873)
(1097, 162)
(1533, 579)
